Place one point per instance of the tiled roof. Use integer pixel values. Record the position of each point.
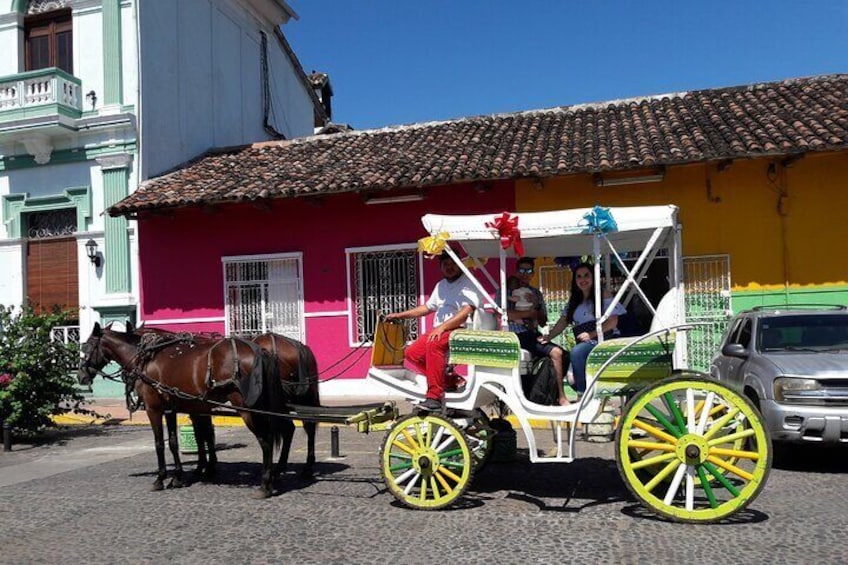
(780, 118)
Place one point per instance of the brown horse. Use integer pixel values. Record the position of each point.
(181, 375)
(299, 377)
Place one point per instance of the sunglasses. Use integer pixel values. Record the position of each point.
(526, 270)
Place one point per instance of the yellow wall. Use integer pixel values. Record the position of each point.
(739, 215)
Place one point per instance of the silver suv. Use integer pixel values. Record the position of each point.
(792, 363)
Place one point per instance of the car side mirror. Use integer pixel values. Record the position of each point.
(734, 350)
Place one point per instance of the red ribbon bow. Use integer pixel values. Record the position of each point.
(507, 227)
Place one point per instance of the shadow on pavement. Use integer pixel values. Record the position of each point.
(806, 458)
(584, 483)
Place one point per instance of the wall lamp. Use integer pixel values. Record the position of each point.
(91, 251)
(619, 181)
(394, 199)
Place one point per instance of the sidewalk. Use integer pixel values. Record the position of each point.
(114, 412)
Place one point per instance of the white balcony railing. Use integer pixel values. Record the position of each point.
(39, 88)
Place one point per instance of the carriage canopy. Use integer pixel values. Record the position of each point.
(556, 233)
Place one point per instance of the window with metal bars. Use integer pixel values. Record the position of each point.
(264, 294)
(383, 281)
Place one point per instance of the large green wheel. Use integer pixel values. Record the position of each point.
(692, 450)
(426, 461)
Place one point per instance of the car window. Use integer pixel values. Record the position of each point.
(804, 331)
(744, 338)
(734, 330)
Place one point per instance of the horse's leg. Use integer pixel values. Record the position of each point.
(309, 469)
(288, 436)
(204, 432)
(210, 449)
(174, 445)
(155, 418)
(198, 425)
(262, 431)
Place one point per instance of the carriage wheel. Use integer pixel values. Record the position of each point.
(639, 453)
(481, 437)
(426, 461)
(678, 449)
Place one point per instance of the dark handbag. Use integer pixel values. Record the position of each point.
(588, 327)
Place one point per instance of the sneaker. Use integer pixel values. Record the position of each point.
(431, 405)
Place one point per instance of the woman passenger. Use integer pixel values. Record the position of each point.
(580, 312)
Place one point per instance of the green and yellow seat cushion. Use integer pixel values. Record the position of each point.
(638, 365)
(485, 348)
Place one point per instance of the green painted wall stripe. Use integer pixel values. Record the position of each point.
(63, 156)
(830, 294)
(40, 111)
(112, 80)
(117, 253)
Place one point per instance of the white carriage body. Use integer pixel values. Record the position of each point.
(645, 230)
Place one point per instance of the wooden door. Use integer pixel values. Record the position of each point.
(52, 277)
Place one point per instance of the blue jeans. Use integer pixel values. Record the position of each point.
(579, 355)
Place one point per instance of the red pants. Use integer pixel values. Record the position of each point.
(430, 358)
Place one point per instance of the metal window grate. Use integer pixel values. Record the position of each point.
(264, 296)
(383, 282)
(707, 280)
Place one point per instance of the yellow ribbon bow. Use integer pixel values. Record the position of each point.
(433, 245)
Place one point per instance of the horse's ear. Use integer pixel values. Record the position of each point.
(97, 331)
(128, 325)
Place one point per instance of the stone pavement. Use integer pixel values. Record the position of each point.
(97, 509)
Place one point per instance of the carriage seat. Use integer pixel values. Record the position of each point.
(642, 363)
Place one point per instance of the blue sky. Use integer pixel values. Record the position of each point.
(405, 61)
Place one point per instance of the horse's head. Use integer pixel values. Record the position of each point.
(93, 358)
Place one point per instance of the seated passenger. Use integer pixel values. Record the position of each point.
(580, 311)
(525, 322)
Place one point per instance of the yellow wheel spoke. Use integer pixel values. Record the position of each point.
(735, 453)
(410, 439)
(443, 482)
(658, 478)
(731, 468)
(656, 432)
(654, 460)
(718, 425)
(435, 488)
(423, 494)
(453, 476)
(651, 445)
(730, 438)
(403, 447)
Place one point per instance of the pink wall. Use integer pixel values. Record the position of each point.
(180, 254)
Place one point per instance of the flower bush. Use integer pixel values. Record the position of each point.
(37, 374)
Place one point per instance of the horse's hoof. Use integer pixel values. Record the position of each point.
(261, 494)
(176, 482)
(158, 485)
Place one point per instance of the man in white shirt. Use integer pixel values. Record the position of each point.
(453, 300)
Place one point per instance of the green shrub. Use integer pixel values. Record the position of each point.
(37, 374)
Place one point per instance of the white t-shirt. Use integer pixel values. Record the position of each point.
(585, 311)
(448, 298)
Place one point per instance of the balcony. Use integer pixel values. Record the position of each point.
(37, 107)
(34, 94)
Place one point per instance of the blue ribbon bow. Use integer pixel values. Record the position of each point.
(599, 219)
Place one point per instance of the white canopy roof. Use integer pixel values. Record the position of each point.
(554, 234)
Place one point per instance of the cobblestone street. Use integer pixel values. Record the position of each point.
(83, 496)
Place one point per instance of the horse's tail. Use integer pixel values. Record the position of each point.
(276, 399)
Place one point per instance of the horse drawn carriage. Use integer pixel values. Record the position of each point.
(687, 447)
